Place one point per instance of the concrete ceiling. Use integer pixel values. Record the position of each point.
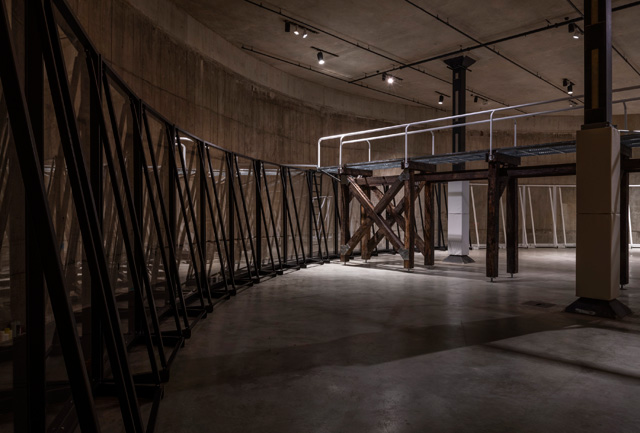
(372, 36)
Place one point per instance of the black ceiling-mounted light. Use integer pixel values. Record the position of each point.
(575, 31)
(296, 31)
(322, 53)
(305, 34)
(477, 98)
(568, 84)
(287, 27)
(441, 97)
(390, 79)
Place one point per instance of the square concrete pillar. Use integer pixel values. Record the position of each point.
(598, 219)
(598, 256)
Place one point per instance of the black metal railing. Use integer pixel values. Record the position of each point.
(138, 227)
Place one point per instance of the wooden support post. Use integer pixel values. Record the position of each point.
(493, 219)
(345, 233)
(409, 229)
(428, 252)
(512, 226)
(365, 252)
(624, 224)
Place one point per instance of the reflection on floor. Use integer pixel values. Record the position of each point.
(370, 347)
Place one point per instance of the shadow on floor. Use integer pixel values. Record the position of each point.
(371, 348)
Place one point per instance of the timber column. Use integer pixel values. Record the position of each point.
(598, 177)
(458, 192)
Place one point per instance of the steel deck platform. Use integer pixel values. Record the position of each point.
(629, 140)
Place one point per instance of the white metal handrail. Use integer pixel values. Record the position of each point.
(491, 113)
(476, 122)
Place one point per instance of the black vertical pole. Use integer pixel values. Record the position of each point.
(231, 202)
(310, 221)
(259, 212)
(35, 403)
(285, 212)
(336, 216)
(139, 247)
(202, 211)
(41, 222)
(96, 164)
(459, 67)
(597, 63)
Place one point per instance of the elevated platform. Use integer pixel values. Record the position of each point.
(629, 141)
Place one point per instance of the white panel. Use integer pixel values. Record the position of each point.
(458, 218)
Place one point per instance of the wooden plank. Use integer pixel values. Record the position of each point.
(428, 250)
(419, 166)
(512, 226)
(506, 159)
(542, 171)
(448, 176)
(551, 170)
(345, 233)
(349, 171)
(409, 229)
(624, 224)
(493, 220)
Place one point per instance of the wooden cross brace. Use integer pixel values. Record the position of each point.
(395, 216)
(373, 216)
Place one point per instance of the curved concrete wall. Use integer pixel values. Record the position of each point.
(227, 96)
(220, 92)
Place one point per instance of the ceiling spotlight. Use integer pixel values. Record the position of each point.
(568, 84)
(320, 58)
(305, 34)
(441, 100)
(287, 26)
(575, 31)
(296, 31)
(475, 99)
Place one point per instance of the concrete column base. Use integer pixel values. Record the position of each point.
(463, 260)
(612, 309)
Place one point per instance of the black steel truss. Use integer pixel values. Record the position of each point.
(190, 230)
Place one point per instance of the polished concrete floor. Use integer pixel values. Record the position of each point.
(373, 348)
